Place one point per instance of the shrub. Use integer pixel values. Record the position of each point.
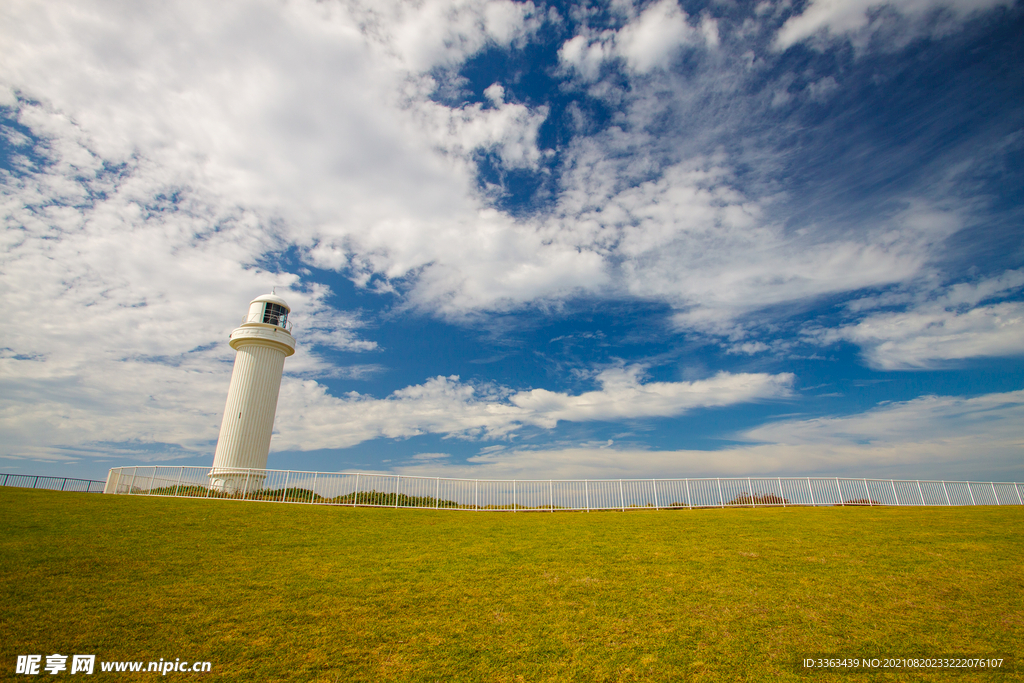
(758, 499)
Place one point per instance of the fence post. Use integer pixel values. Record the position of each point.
(944, 491)
(131, 484)
(6, 477)
(622, 497)
(994, 494)
(245, 491)
(181, 472)
(355, 493)
(782, 495)
(896, 497)
(209, 486)
(398, 487)
(654, 483)
(970, 490)
(1017, 491)
(867, 491)
(476, 495)
(514, 509)
(36, 481)
(921, 492)
(586, 492)
(839, 489)
(750, 493)
(551, 495)
(437, 494)
(721, 498)
(65, 483)
(312, 490)
(810, 490)
(689, 505)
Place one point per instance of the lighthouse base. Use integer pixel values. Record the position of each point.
(236, 482)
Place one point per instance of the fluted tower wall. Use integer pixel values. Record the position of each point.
(251, 406)
(261, 343)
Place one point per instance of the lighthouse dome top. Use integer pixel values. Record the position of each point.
(268, 309)
(271, 298)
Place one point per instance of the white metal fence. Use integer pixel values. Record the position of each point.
(31, 481)
(401, 491)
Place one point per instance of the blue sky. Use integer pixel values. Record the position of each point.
(520, 239)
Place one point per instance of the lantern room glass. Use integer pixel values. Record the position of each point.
(274, 314)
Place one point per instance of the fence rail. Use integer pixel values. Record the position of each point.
(31, 481)
(402, 491)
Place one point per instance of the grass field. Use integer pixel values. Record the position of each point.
(271, 592)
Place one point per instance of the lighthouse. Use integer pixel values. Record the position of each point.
(261, 342)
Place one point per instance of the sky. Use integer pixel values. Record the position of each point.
(519, 239)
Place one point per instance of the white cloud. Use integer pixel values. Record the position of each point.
(839, 17)
(622, 396)
(430, 456)
(314, 117)
(691, 238)
(510, 130)
(647, 42)
(953, 437)
(926, 338)
(314, 122)
(188, 141)
(650, 41)
(433, 33)
(124, 300)
(949, 327)
(311, 418)
(748, 348)
(495, 92)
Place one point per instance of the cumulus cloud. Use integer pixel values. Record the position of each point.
(947, 436)
(441, 33)
(647, 42)
(510, 130)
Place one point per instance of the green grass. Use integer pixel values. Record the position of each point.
(320, 593)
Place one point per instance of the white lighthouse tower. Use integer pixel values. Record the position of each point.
(262, 343)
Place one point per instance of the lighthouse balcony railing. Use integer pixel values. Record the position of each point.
(284, 325)
(404, 491)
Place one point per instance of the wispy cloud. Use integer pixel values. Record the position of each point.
(858, 18)
(937, 329)
(947, 436)
(310, 418)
